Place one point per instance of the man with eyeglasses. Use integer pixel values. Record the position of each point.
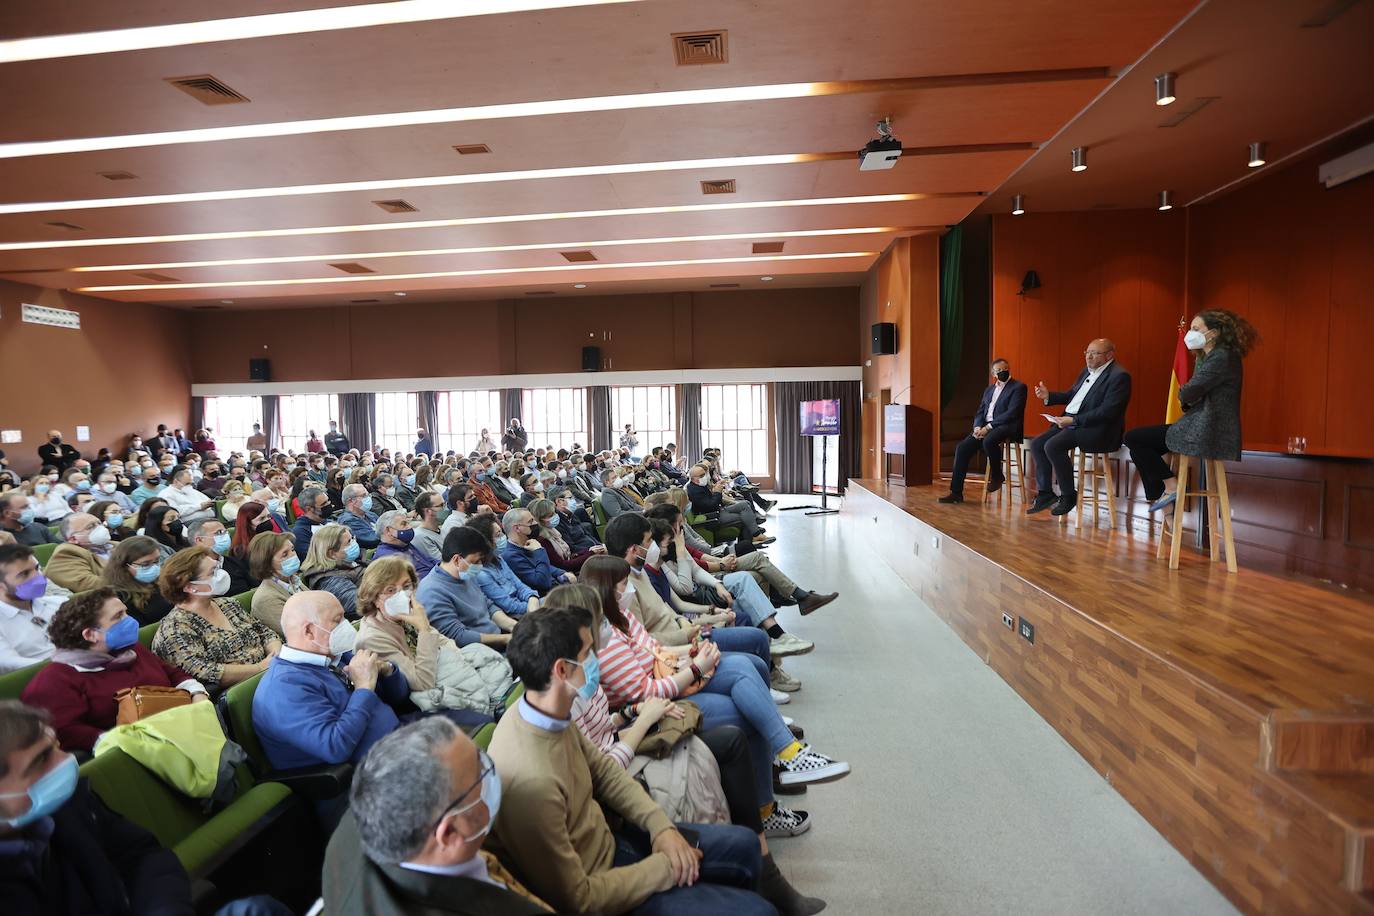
(1094, 420)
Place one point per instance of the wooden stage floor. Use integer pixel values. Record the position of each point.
(1236, 712)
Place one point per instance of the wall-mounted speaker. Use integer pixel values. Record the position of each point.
(591, 359)
(260, 370)
(884, 339)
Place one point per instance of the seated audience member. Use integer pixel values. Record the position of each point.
(575, 525)
(78, 563)
(113, 518)
(421, 805)
(49, 507)
(252, 519)
(97, 655)
(526, 557)
(554, 783)
(140, 520)
(405, 487)
(208, 636)
(212, 480)
(455, 603)
(321, 702)
(273, 562)
(613, 498)
(181, 495)
(1000, 418)
(333, 565)
(547, 529)
(211, 534)
(397, 540)
(707, 498)
(57, 453)
(314, 507)
(462, 505)
(1210, 425)
(107, 488)
(384, 493)
(427, 481)
(132, 571)
(152, 486)
(234, 496)
(25, 609)
(18, 519)
(477, 479)
(1094, 420)
(163, 524)
(62, 851)
(203, 444)
(357, 515)
(502, 586)
(430, 515)
(7, 476)
(78, 500)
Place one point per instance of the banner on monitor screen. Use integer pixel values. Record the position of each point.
(820, 418)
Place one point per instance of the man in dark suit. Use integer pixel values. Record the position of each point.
(1001, 416)
(1094, 420)
(422, 801)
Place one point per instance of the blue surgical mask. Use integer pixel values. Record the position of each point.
(405, 535)
(146, 574)
(114, 521)
(84, 486)
(26, 517)
(41, 489)
(367, 503)
(409, 481)
(591, 670)
(290, 566)
(501, 542)
(274, 506)
(222, 541)
(122, 634)
(552, 521)
(55, 787)
(352, 552)
(481, 476)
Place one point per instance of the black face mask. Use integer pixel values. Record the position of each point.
(56, 440)
(471, 507)
(262, 527)
(1003, 374)
(174, 529)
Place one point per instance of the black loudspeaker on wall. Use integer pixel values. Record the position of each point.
(884, 339)
(591, 359)
(260, 370)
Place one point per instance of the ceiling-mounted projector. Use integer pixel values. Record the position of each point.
(883, 152)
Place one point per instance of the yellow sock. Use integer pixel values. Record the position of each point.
(766, 811)
(790, 751)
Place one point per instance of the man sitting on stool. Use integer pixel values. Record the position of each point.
(1094, 420)
(1001, 416)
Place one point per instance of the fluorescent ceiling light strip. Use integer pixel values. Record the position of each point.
(300, 22)
(490, 249)
(433, 181)
(460, 221)
(483, 272)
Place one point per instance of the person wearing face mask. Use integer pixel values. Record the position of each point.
(56, 452)
(66, 852)
(97, 655)
(334, 564)
(206, 634)
(1000, 417)
(190, 504)
(18, 518)
(525, 555)
(404, 484)
(358, 516)
(132, 571)
(455, 603)
(482, 489)
(484, 443)
(25, 609)
(501, 586)
(613, 497)
(8, 478)
(78, 564)
(707, 498)
(107, 488)
(314, 506)
(515, 438)
(163, 525)
(462, 504)
(49, 507)
(273, 561)
(424, 443)
(1209, 426)
(548, 529)
(151, 486)
(397, 539)
(422, 804)
(335, 442)
(430, 515)
(211, 534)
(113, 517)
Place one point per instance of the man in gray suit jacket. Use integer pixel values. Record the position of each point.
(614, 499)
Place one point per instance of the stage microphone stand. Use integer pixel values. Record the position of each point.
(823, 508)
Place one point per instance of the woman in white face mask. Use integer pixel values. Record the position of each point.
(1209, 426)
(208, 635)
(395, 625)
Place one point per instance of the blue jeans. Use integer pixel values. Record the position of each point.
(752, 606)
(731, 864)
(744, 640)
(737, 694)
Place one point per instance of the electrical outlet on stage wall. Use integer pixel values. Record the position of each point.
(935, 541)
(1007, 621)
(1028, 631)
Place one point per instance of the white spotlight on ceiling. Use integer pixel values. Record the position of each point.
(765, 279)
(1256, 154)
(1164, 89)
(1018, 205)
(1166, 200)
(579, 286)
(1080, 158)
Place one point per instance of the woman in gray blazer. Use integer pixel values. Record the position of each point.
(1210, 425)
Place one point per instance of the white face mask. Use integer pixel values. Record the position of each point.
(654, 556)
(1194, 340)
(398, 605)
(98, 537)
(342, 639)
(219, 583)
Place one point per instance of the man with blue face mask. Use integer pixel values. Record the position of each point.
(397, 538)
(357, 516)
(61, 849)
(422, 803)
(17, 518)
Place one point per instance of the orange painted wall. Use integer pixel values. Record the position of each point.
(126, 369)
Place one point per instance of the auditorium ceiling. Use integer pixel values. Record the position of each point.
(587, 148)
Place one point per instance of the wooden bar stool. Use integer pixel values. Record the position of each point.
(1216, 481)
(1094, 469)
(1012, 469)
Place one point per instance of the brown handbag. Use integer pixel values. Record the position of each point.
(668, 732)
(666, 665)
(141, 702)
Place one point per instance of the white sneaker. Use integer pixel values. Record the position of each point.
(780, 698)
(810, 766)
(779, 679)
(786, 822)
(788, 644)
(788, 721)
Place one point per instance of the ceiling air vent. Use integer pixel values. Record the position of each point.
(118, 176)
(158, 278)
(396, 206)
(72, 226)
(577, 257)
(691, 48)
(207, 90)
(353, 268)
(57, 318)
(539, 292)
(364, 301)
(472, 149)
(724, 286)
(724, 186)
(768, 247)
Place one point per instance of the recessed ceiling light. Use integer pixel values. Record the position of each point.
(470, 221)
(226, 302)
(1079, 159)
(398, 294)
(1018, 205)
(765, 279)
(479, 272)
(1166, 200)
(579, 286)
(47, 47)
(1164, 89)
(1256, 154)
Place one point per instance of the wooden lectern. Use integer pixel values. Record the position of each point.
(907, 452)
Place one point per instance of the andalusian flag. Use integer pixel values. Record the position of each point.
(1182, 372)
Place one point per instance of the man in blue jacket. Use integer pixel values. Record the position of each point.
(357, 516)
(526, 557)
(1001, 417)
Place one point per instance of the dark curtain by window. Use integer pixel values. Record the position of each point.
(197, 414)
(951, 311)
(269, 421)
(794, 450)
(510, 407)
(689, 422)
(599, 416)
(356, 410)
(429, 413)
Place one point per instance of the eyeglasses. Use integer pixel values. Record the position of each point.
(486, 766)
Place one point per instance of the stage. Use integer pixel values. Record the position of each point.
(1235, 712)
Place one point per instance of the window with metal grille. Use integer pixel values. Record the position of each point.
(651, 410)
(230, 421)
(396, 417)
(734, 419)
(298, 414)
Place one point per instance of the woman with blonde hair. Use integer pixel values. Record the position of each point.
(334, 564)
(559, 552)
(272, 559)
(234, 495)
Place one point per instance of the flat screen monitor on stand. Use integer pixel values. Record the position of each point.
(821, 419)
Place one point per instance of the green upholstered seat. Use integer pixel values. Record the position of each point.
(42, 553)
(238, 701)
(245, 600)
(600, 518)
(483, 737)
(13, 684)
(516, 691)
(146, 634)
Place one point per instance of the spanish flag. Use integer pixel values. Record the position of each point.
(1182, 372)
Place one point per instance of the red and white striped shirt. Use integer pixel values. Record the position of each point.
(593, 718)
(627, 665)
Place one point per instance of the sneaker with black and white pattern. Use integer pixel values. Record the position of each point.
(810, 766)
(786, 822)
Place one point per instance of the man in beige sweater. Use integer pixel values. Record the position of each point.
(551, 828)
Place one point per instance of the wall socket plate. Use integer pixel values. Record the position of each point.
(1007, 621)
(1027, 631)
(935, 541)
